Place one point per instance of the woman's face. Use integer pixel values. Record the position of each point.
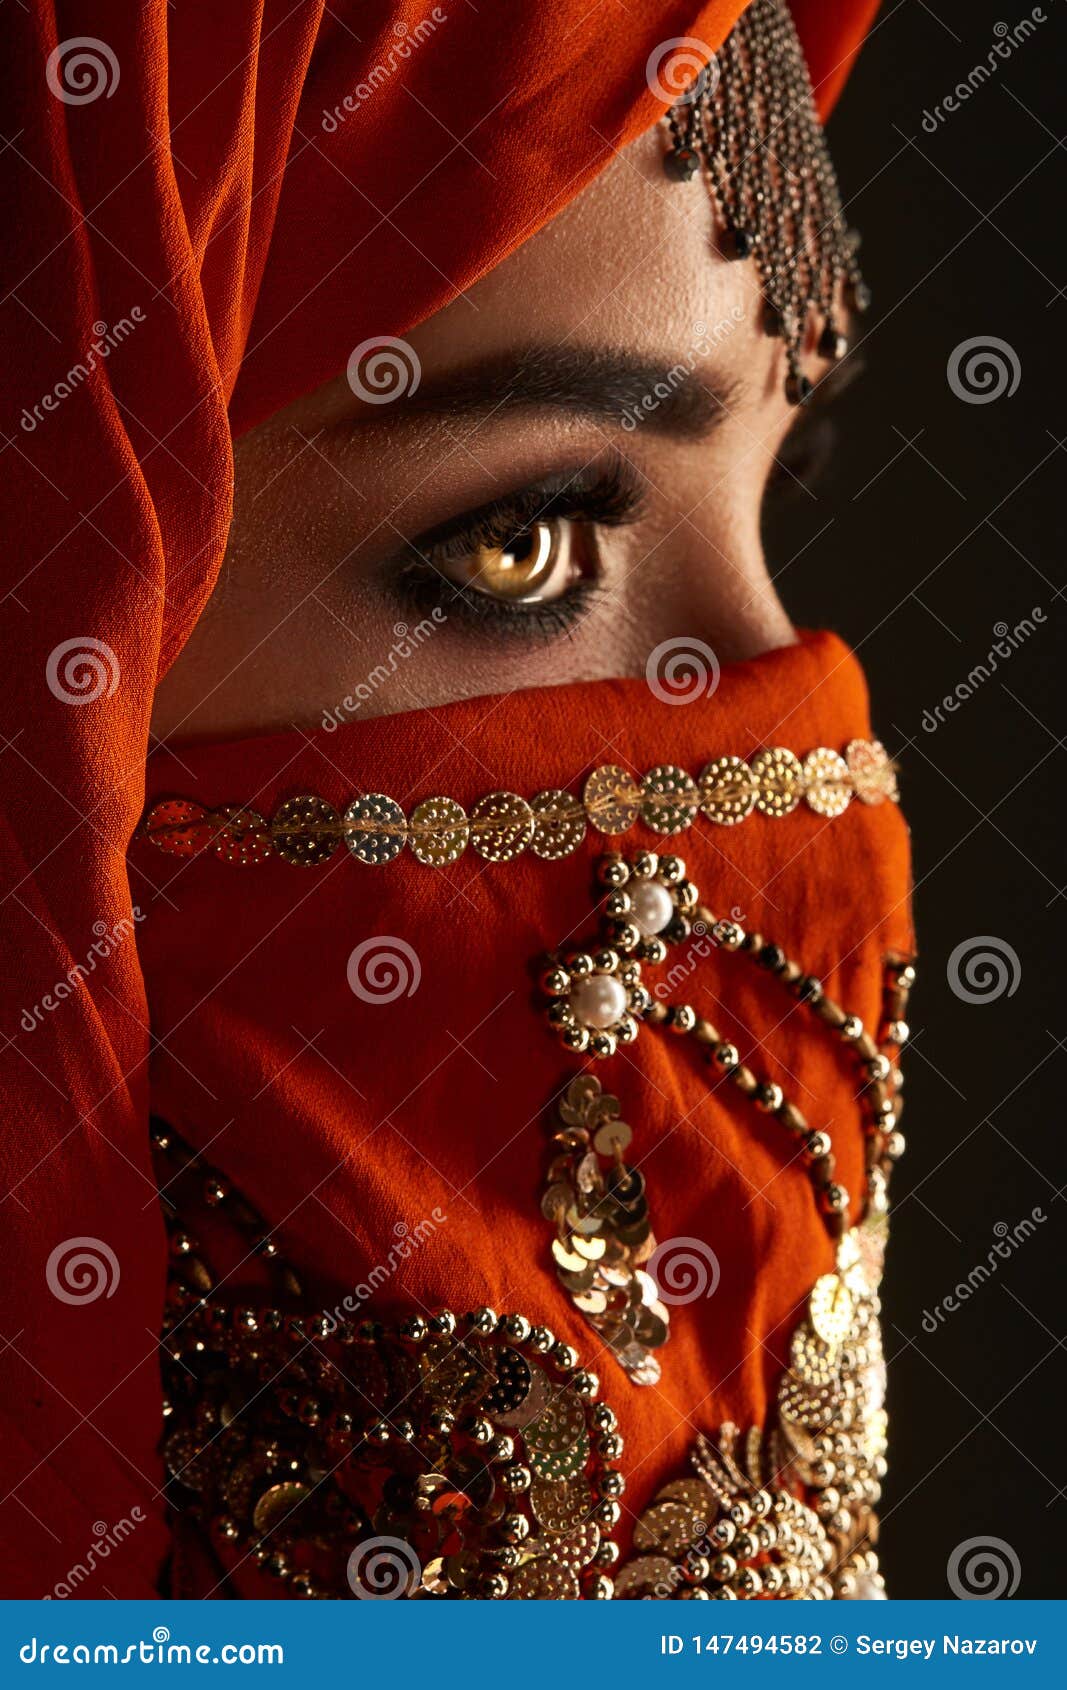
(575, 478)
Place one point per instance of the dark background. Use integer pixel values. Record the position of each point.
(941, 518)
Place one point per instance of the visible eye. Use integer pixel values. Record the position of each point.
(536, 564)
(528, 565)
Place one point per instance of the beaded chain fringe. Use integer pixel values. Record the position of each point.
(749, 123)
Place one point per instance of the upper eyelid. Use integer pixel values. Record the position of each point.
(610, 494)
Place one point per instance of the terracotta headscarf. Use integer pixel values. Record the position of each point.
(202, 218)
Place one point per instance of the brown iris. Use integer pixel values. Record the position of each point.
(532, 566)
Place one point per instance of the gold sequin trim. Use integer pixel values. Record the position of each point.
(603, 1231)
(307, 829)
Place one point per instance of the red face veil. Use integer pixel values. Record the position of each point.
(220, 190)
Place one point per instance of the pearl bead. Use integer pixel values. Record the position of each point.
(651, 907)
(599, 1001)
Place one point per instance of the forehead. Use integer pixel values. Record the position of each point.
(631, 262)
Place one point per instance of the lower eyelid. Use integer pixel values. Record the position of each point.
(426, 589)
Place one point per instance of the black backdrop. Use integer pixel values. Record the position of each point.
(937, 527)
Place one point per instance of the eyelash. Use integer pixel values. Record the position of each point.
(610, 497)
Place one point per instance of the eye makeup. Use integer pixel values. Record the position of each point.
(525, 565)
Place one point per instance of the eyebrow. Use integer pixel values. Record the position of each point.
(676, 399)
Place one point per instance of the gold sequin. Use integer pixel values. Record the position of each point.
(560, 1507)
(242, 836)
(612, 799)
(544, 1580)
(780, 780)
(562, 1464)
(375, 828)
(502, 826)
(559, 824)
(727, 791)
(831, 1309)
(438, 831)
(178, 826)
(559, 1427)
(647, 1576)
(872, 773)
(306, 830)
(671, 799)
(672, 1526)
(827, 784)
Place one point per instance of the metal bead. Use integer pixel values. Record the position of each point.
(613, 870)
(516, 1479)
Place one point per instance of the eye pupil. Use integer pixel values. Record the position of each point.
(521, 547)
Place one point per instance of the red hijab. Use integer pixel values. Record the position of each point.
(194, 237)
